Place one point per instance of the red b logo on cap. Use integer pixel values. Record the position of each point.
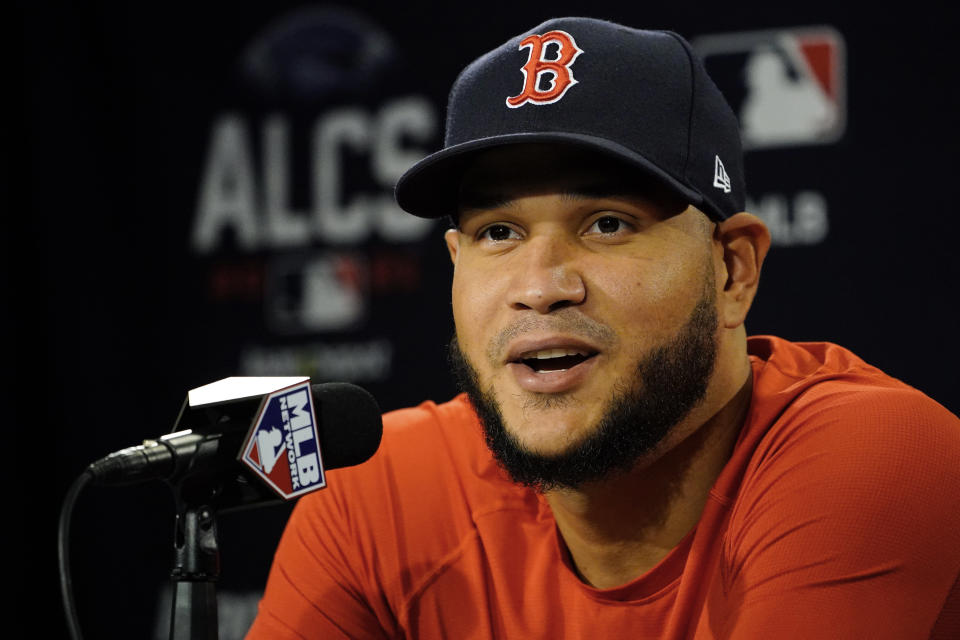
(537, 66)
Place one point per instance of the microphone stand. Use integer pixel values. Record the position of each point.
(196, 554)
(195, 573)
(198, 491)
(201, 490)
(201, 493)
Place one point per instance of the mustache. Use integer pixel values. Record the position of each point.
(566, 321)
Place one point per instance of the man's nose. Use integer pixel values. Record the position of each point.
(547, 276)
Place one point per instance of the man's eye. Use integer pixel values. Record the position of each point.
(608, 224)
(498, 233)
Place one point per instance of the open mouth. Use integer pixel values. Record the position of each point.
(554, 359)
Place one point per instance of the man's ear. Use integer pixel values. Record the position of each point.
(452, 238)
(745, 241)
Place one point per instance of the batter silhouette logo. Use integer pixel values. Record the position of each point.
(788, 86)
(547, 75)
(283, 448)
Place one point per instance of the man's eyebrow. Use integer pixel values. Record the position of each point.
(602, 189)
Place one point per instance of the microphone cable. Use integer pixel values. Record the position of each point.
(63, 548)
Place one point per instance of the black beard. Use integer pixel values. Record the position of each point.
(670, 381)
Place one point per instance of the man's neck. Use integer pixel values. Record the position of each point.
(619, 528)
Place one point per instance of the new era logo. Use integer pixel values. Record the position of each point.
(720, 178)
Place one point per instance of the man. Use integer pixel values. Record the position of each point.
(626, 463)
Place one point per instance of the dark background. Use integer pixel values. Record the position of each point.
(116, 315)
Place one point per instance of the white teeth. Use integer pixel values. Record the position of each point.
(546, 354)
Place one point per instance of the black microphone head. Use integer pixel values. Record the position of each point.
(350, 423)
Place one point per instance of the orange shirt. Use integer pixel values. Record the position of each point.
(837, 516)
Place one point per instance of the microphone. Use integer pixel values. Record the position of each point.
(282, 433)
(237, 443)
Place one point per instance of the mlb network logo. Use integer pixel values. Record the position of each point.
(283, 447)
(787, 86)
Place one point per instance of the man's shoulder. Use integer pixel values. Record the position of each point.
(448, 431)
(454, 414)
(785, 360)
(822, 379)
(842, 488)
(868, 418)
(414, 505)
(432, 457)
(818, 408)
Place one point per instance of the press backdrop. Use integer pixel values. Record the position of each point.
(204, 190)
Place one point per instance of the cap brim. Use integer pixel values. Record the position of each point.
(430, 188)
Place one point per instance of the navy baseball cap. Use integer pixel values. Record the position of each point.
(639, 96)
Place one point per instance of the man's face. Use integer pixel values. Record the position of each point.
(584, 301)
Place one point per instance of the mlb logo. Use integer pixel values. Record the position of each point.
(787, 86)
(283, 447)
(311, 293)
